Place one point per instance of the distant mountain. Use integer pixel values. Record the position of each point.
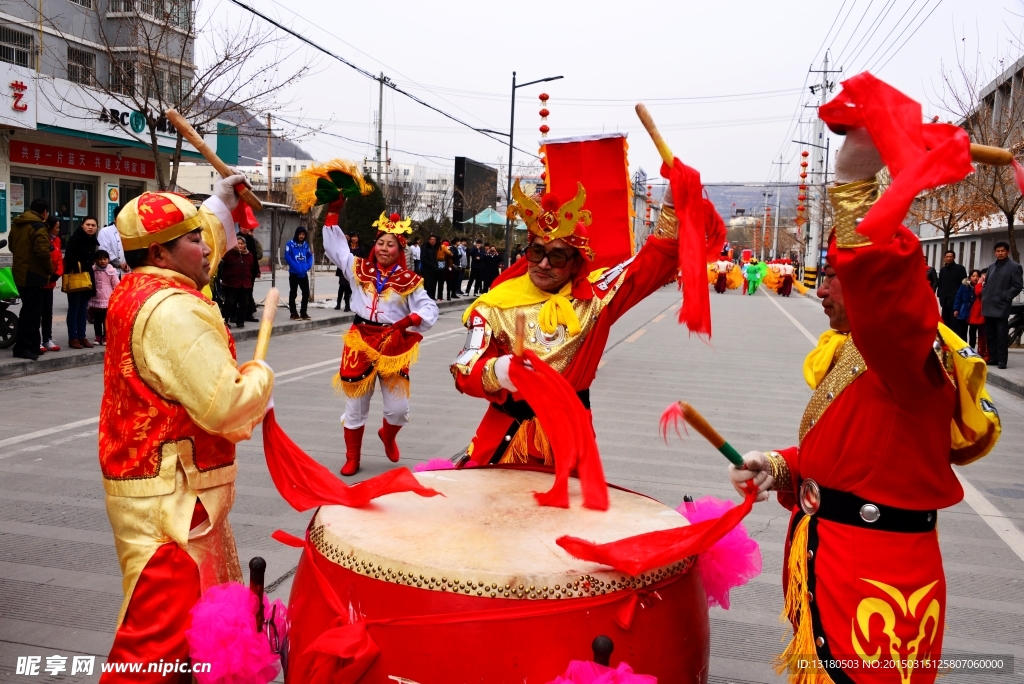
(252, 140)
(728, 198)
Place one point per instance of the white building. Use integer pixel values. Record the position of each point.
(419, 191)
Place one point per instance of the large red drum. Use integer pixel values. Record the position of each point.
(471, 587)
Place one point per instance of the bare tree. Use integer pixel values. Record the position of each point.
(992, 116)
(154, 56)
(950, 209)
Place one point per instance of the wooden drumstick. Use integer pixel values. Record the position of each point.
(701, 425)
(994, 156)
(520, 341)
(652, 130)
(190, 134)
(266, 325)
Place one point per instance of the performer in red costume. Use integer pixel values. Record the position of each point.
(897, 399)
(392, 308)
(568, 312)
(174, 405)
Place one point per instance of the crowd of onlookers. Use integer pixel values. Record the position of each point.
(977, 306)
(88, 270)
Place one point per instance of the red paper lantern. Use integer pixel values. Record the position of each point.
(805, 153)
(803, 164)
(803, 187)
(803, 175)
(543, 97)
(801, 197)
(544, 113)
(544, 129)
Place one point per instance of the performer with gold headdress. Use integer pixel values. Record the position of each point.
(898, 398)
(392, 308)
(568, 310)
(174, 404)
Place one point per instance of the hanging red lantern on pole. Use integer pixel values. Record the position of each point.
(544, 128)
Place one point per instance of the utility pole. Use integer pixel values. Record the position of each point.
(812, 261)
(380, 124)
(778, 208)
(764, 223)
(387, 177)
(273, 224)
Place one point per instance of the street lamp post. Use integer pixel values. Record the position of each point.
(511, 133)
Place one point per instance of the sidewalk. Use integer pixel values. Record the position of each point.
(321, 311)
(1011, 379)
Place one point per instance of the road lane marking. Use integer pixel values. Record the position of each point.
(321, 364)
(658, 318)
(801, 328)
(637, 335)
(999, 523)
(601, 363)
(985, 509)
(40, 447)
(48, 431)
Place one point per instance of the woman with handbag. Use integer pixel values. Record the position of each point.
(77, 281)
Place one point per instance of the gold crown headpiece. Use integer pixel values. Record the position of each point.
(551, 221)
(393, 224)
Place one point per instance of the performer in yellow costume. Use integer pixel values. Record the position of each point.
(174, 404)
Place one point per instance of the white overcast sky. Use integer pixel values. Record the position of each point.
(725, 81)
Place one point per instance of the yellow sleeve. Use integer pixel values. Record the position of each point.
(214, 236)
(181, 349)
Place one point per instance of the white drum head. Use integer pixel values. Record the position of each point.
(487, 536)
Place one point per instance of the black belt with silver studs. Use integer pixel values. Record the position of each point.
(849, 509)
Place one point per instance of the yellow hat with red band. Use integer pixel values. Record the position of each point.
(156, 217)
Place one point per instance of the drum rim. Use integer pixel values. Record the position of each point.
(385, 570)
(592, 580)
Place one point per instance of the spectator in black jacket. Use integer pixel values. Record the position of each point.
(429, 265)
(490, 266)
(950, 278)
(1003, 282)
(254, 247)
(32, 268)
(79, 256)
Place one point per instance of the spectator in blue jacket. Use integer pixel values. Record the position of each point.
(964, 302)
(300, 260)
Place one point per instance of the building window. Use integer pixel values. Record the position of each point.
(302, 168)
(84, 3)
(277, 167)
(122, 77)
(81, 67)
(15, 47)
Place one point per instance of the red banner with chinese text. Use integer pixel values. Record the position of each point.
(79, 160)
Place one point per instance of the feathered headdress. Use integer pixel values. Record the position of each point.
(393, 224)
(326, 183)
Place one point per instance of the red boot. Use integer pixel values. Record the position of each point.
(353, 447)
(387, 434)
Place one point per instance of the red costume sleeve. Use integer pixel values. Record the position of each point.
(653, 266)
(472, 384)
(788, 498)
(892, 312)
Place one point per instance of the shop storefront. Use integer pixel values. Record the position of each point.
(80, 152)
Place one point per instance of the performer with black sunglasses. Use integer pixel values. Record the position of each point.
(568, 313)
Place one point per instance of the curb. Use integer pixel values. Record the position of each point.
(48, 364)
(1005, 383)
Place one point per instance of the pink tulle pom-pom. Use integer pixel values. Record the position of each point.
(733, 561)
(586, 672)
(434, 464)
(224, 635)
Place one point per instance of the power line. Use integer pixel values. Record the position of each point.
(854, 31)
(380, 79)
(316, 131)
(865, 40)
(908, 37)
(829, 32)
(885, 40)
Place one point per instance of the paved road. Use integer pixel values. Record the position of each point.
(59, 576)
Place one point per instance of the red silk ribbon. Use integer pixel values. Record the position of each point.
(638, 554)
(569, 429)
(306, 484)
(701, 237)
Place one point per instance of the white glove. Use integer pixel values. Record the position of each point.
(501, 372)
(224, 189)
(757, 468)
(858, 158)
